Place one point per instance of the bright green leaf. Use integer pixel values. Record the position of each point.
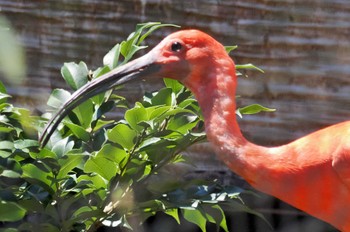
(164, 96)
(102, 166)
(123, 135)
(135, 116)
(113, 153)
(78, 131)
(175, 85)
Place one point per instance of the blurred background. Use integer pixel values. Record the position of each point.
(303, 47)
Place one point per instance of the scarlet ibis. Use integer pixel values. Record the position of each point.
(311, 173)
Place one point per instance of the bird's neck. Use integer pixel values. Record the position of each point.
(217, 100)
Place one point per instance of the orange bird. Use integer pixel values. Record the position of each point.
(311, 173)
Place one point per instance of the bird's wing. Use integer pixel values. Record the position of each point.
(341, 164)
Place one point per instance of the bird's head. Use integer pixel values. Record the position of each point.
(185, 55)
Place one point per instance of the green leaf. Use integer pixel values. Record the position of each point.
(183, 123)
(135, 116)
(123, 135)
(43, 153)
(58, 97)
(10, 211)
(85, 112)
(253, 109)
(68, 163)
(96, 180)
(174, 212)
(113, 153)
(196, 217)
(215, 215)
(76, 75)
(2, 88)
(153, 26)
(102, 166)
(6, 145)
(230, 48)
(25, 143)
(100, 71)
(248, 66)
(38, 176)
(164, 96)
(111, 59)
(61, 147)
(175, 85)
(78, 131)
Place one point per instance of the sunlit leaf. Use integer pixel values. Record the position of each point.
(123, 135)
(76, 75)
(38, 176)
(102, 166)
(78, 131)
(68, 163)
(58, 97)
(164, 96)
(136, 115)
(113, 153)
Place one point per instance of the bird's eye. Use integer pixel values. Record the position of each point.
(176, 46)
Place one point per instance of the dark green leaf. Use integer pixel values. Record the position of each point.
(10, 211)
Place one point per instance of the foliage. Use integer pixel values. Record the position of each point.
(98, 171)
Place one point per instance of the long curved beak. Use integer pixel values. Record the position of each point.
(136, 69)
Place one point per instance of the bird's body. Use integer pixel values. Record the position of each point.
(311, 173)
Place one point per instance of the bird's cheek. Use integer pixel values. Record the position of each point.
(177, 70)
